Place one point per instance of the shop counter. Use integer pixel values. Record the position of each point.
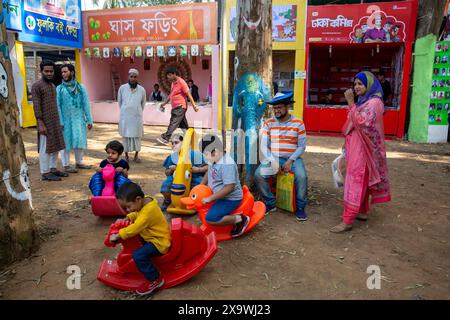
(108, 112)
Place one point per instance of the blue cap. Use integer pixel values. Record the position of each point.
(284, 97)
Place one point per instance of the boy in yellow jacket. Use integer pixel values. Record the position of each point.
(148, 222)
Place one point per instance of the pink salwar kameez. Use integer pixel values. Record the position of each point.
(366, 180)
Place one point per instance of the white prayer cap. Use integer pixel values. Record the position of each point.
(133, 71)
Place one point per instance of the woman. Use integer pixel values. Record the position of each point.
(366, 173)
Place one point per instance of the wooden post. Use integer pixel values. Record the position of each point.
(253, 76)
(17, 235)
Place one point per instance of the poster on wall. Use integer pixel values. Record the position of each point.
(12, 12)
(284, 23)
(440, 86)
(151, 26)
(54, 22)
(361, 23)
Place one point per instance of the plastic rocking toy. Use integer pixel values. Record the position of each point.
(248, 207)
(182, 176)
(190, 252)
(106, 205)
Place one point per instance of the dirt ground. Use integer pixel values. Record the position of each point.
(281, 258)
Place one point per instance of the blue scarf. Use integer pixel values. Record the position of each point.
(374, 89)
(74, 89)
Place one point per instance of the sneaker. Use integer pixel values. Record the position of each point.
(240, 227)
(301, 215)
(150, 286)
(165, 205)
(163, 141)
(69, 169)
(270, 210)
(50, 177)
(59, 173)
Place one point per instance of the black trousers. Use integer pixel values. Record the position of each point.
(177, 120)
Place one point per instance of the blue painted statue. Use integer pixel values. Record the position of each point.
(249, 104)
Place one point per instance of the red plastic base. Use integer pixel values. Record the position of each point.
(190, 252)
(106, 206)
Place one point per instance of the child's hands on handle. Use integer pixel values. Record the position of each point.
(114, 237)
(207, 200)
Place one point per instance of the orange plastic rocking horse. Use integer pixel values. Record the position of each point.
(254, 210)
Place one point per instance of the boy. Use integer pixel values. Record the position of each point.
(223, 179)
(150, 223)
(199, 168)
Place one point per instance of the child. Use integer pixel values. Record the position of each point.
(223, 179)
(150, 223)
(114, 149)
(199, 167)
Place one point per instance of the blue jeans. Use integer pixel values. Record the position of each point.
(301, 184)
(221, 208)
(142, 259)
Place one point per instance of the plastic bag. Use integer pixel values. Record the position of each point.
(338, 170)
(285, 198)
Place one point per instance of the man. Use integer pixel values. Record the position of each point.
(193, 90)
(178, 93)
(376, 34)
(49, 123)
(386, 85)
(131, 99)
(283, 142)
(75, 111)
(156, 94)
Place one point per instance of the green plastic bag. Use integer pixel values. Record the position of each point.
(285, 198)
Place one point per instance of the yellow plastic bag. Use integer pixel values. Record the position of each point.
(285, 198)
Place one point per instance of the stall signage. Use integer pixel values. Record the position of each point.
(159, 25)
(12, 13)
(53, 22)
(361, 23)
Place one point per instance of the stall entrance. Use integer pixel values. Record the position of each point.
(331, 71)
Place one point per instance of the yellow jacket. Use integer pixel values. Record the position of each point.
(151, 225)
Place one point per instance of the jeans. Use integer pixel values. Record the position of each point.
(142, 259)
(177, 119)
(301, 184)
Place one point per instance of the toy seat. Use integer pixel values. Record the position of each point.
(190, 252)
(248, 207)
(106, 206)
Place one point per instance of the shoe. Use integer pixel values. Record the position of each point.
(300, 215)
(240, 227)
(137, 160)
(83, 166)
(362, 217)
(50, 177)
(69, 169)
(270, 210)
(163, 141)
(59, 173)
(150, 286)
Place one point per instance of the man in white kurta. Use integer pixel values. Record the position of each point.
(131, 99)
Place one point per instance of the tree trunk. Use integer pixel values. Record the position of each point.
(17, 235)
(429, 17)
(253, 76)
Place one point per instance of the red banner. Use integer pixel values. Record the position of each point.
(362, 23)
(158, 25)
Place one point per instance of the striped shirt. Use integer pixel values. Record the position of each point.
(283, 139)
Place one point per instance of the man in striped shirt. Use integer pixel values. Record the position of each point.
(283, 142)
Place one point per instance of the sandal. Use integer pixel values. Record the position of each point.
(341, 227)
(59, 173)
(138, 160)
(83, 166)
(50, 177)
(69, 169)
(362, 217)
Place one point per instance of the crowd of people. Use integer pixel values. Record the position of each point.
(63, 116)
